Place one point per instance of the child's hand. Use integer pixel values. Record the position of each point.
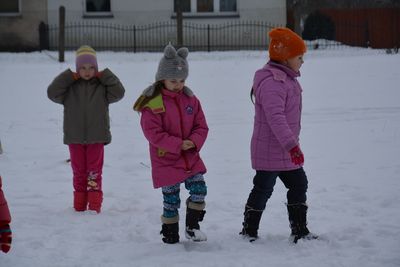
(75, 75)
(187, 144)
(5, 238)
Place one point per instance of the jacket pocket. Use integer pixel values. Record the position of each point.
(167, 156)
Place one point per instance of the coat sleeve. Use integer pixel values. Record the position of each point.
(58, 89)
(200, 128)
(114, 89)
(153, 131)
(272, 97)
(5, 217)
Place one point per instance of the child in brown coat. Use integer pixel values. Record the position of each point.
(86, 95)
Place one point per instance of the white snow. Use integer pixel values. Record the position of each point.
(350, 137)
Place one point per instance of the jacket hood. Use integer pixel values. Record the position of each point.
(274, 70)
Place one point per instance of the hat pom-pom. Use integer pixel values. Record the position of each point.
(169, 51)
(183, 52)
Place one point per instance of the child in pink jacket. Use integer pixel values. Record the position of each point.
(173, 122)
(275, 147)
(5, 219)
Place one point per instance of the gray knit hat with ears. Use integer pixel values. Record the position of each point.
(173, 65)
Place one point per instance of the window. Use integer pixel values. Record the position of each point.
(207, 8)
(185, 5)
(98, 6)
(227, 5)
(9, 7)
(205, 5)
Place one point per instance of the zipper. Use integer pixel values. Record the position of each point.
(85, 114)
(187, 168)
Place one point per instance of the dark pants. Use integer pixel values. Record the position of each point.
(264, 181)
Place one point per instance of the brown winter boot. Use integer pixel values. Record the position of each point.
(95, 198)
(195, 214)
(170, 229)
(80, 201)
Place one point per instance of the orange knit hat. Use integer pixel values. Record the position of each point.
(285, 44)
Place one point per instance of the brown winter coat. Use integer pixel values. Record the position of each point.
(86, 116)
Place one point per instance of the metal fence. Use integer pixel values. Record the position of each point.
(239, 35)
(244, 35)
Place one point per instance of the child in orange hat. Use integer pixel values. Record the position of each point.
(275, 147)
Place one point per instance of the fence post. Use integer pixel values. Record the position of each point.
(43, 36)
(134, 38)
(179, 23)
(208, 38)
(61, 34)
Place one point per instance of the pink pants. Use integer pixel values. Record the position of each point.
(87, 166)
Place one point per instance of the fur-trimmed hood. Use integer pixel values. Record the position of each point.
(149, 91)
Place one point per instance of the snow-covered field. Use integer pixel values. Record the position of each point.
(350, 137)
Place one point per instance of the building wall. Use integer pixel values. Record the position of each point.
(274, 13)
(373, 23)
(298, 10)
(369, 27)
(141, 12)
(21, 32)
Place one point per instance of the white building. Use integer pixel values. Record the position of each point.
(142, 12)
(139, 25)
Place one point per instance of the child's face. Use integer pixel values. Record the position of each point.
(295, 62)
(87, 71)
(174, 85)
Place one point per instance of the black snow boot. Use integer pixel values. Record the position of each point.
(298, 222)
(170, 233)
(170, 230)
(194, 214)
(251, 223)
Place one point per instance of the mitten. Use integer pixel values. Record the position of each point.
(75, 75)
(99, 74)
(296, 155)
(5, 238)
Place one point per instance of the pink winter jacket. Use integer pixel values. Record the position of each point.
(277, 117)
(180, 118)
(5, 217)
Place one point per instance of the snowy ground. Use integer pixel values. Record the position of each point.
(350, 137)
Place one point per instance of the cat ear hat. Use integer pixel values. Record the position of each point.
(173, 65)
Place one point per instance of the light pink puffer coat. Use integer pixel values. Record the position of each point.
(278, 105)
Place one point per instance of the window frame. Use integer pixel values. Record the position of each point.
(219, 6)
(97, 14)
(190, 6)
(215, 14)
(13, 14)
